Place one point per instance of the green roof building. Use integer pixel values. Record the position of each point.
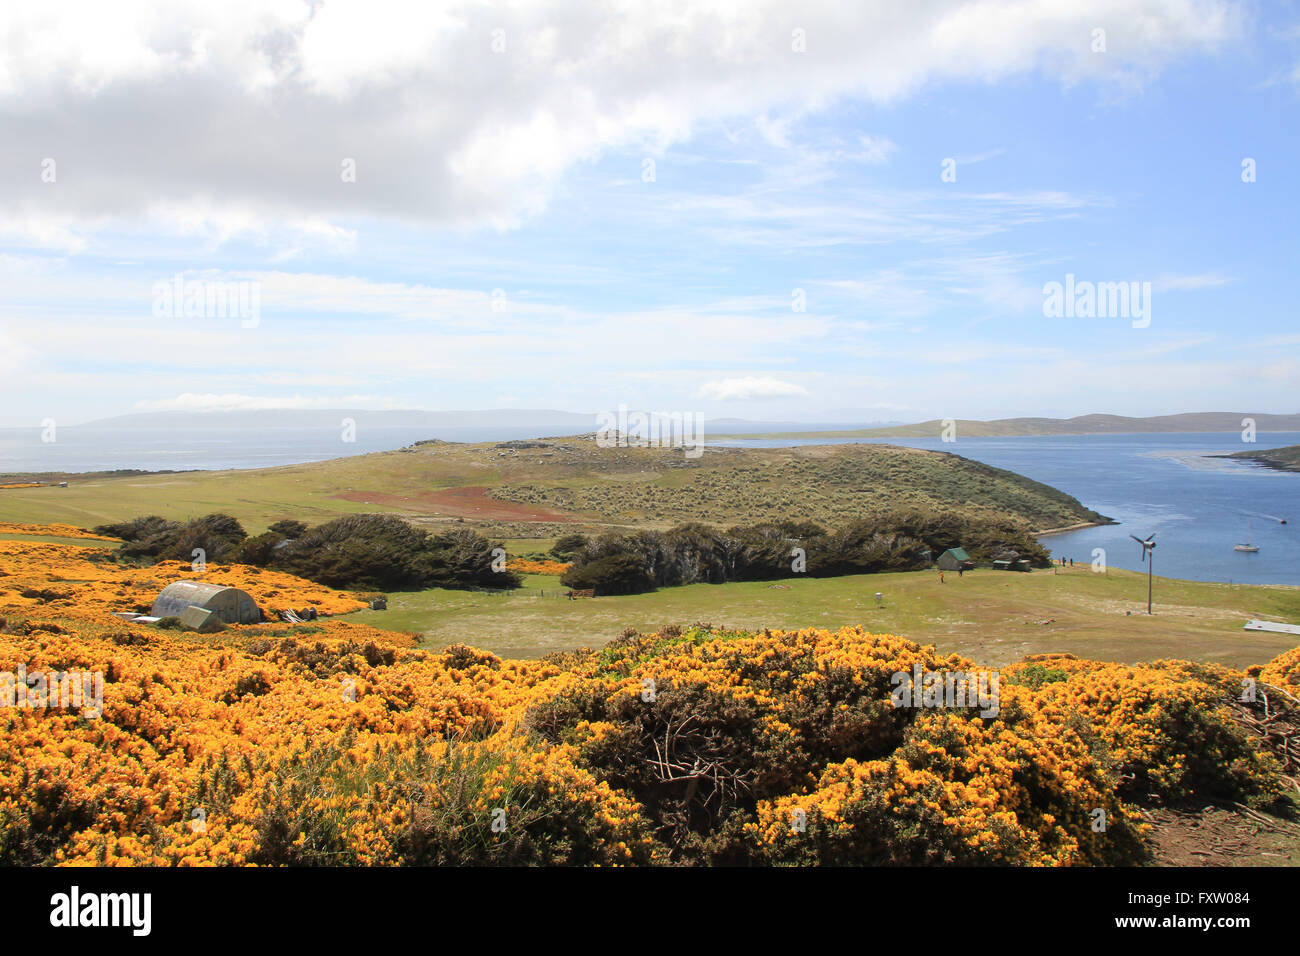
(954, 559)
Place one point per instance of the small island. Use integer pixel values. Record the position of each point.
(1281, 459)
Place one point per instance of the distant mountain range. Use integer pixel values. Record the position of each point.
(330, 418)
(554, 422)
(1082, 425)
(547, 421)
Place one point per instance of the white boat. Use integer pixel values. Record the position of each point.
(1248, 548)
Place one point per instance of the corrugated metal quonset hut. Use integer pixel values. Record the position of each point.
(231, 605)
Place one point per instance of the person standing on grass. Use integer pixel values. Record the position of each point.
(941, 577)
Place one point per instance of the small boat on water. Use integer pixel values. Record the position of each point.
(1247, 548)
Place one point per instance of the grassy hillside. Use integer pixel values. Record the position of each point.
(1081, 425)
(1282, 459)
(531, 489)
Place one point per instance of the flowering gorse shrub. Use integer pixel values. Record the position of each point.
(1283, 671)
(533, 566)
(1164, 728)
(50, 530)
(338, 743)
(57, 577)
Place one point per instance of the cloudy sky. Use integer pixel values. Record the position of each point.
(820, 211)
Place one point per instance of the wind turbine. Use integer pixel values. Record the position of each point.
(1148, 558)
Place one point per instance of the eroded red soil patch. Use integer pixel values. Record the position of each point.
(470, 502)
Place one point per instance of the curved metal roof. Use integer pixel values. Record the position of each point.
(230, 604)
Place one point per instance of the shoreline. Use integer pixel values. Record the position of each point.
(1074, 527)
(936, 433)
(1261, 459)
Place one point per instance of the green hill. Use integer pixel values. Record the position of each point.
(539, 488)
(1282, 459)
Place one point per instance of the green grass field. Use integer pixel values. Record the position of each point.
(993, 617)
(258, 498)
(53, 539)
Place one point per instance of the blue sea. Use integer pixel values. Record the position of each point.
(1197, 506)
(81, 448)
(214, 448)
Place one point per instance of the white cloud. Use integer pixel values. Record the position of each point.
(774, 131)
(1277, 341)
(763, 217)
(876, 149)
(1281, 371)
(979, 157)
(1171, 346)
(240, 114)
(750, 387)
(340, 335)
(13, 354)
(1206, 280)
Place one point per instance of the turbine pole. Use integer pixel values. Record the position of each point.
(1151, 568)
(1149, 558)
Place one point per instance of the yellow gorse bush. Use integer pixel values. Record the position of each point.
(1283, 671)
(49, 530)
(529, 566)
(72, 576)
(343, 744)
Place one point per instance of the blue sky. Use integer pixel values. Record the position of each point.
(211, 147)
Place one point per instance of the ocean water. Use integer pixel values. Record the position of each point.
(156, 449)
(1197, 506)
(106, 448)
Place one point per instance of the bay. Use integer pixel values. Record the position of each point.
(1197, 506)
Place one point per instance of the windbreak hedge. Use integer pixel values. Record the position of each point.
(639, 561)
(379, 552)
